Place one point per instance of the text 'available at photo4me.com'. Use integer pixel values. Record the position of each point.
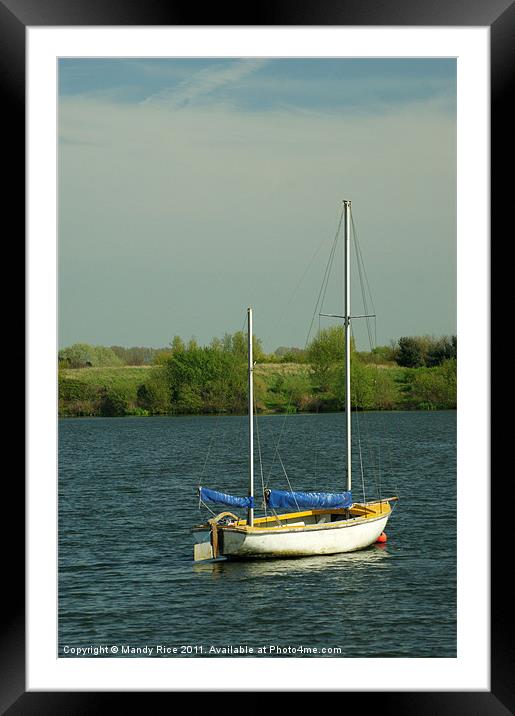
(160, 650)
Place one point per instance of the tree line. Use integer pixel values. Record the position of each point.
(408, 351)
(186, 378)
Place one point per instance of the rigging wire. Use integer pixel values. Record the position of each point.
(281, 319)
(325, 279)
(221, 436)
(367, 440)
(214, 432)
(259, 453)
(201, 502)
(321, 293)
(365, 286)
(364, 283)
(288, 481)
(361, 460)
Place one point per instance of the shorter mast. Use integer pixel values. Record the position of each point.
(250, 514)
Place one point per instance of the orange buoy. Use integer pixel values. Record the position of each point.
(382, 537)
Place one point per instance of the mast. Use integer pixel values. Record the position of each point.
(346, 253)
(250, 514)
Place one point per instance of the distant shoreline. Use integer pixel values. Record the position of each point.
(280, 388)
(244, 415)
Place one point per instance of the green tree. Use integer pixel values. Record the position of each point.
(383, 354)
(411, 352)
(104, 357)
(385, 393)
(206, 380)
(154, 395)
(79, 355)
(325, 350)
(449, 370)
(363, 383)
(113, 402)
(136, 355)
(290, 355)
(82, 355)
(434, 388)
(441, 350)
(177, 344)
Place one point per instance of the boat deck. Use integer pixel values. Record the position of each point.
(305, 518)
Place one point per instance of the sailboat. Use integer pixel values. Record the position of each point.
(302, 523)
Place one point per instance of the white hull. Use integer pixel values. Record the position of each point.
(298, 540)
(345, 537)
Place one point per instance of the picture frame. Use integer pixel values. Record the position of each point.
(15, 17)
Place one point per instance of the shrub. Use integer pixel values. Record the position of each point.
(324, 351)
(410, 353)
(434, 388)
(71, 390)
(207, 380)
(82, 355)
(154, 395)
(113, 403)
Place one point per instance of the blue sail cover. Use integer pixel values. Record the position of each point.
(220, 498)
(307, 500)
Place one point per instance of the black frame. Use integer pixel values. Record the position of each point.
(15, 16)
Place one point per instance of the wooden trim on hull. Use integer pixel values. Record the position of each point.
(286, 529)
(366, 511)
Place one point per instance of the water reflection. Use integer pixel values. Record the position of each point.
(372, 556)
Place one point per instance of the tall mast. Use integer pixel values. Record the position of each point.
(346, 252)
(250, 515)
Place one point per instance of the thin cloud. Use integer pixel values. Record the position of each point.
(204, 83)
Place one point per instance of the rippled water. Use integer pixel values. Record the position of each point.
(127, 502)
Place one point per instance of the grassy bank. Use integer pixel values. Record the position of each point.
(279, 387)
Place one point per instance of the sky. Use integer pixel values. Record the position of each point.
(190, 189)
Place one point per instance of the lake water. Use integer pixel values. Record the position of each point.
(127, 500)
